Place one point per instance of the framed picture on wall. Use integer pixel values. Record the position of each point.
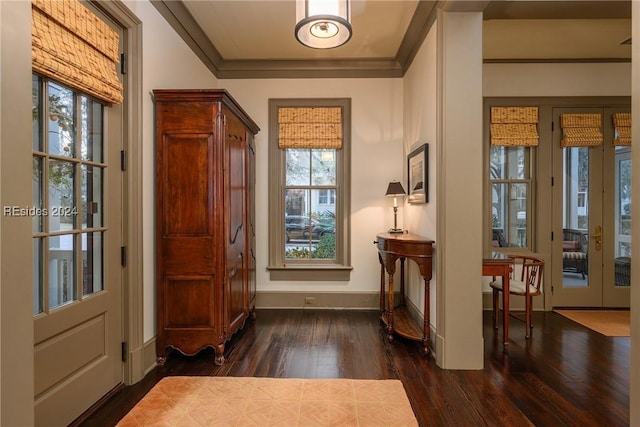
(418, 171)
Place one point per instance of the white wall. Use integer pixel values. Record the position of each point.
(376, 158)
(168, 63)
(570, 79)
(419, 99)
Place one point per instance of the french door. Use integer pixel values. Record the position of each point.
(77, 239)
(591, 215)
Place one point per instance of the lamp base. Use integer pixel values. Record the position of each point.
(395, 231)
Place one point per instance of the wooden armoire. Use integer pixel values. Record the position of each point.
(205, 235)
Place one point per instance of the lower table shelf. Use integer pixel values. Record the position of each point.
(403, 324)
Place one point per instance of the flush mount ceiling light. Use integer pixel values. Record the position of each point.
(323, 24)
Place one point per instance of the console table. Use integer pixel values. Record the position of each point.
(397, 320)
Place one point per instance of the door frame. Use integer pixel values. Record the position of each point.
(139, 357)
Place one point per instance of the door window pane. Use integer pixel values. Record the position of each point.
(622, 244)
(91, 193)
(61, 138)
(38, 289)
(36, 133)
(37, 217)
(90, 130)
(61, 270)
(61, 196)
(575, 251)
(576, 188)
(92, 253)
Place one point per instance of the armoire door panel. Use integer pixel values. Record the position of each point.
(187, 180)
(189, 255)
(192, 299)
(238, 307)
(186, 116)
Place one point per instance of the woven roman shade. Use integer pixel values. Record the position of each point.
(514, 126)
(310, 127)
(581, 130)
(73, 46)
(622, 128)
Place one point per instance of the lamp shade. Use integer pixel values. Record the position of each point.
(323, 24)
(395, 189)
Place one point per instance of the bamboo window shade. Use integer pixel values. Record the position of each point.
(514, 126)
(581, 130)
(310, 127)
(622, 129)
(71, 45)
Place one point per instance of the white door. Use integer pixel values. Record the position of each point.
(76, 248)
(591, 217)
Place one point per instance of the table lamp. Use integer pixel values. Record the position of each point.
(395, 189)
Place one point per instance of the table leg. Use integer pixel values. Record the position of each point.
(505, 308)
(381, 287)
(402, 280)
(390, 311)
(426, 337)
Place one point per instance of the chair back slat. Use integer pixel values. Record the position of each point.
(531, 271)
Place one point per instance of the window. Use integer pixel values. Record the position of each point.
(68, 176)
(511, 196)
(309, 163)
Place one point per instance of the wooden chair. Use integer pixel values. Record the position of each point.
(525, 280)
(575, 247)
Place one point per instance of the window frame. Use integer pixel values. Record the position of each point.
(529, 181)
(309, 270)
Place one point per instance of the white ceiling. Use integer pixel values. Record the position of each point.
(255, 38)
(265, 29)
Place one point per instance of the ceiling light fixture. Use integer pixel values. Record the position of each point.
(323, 24)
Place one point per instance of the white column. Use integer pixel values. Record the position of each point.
(459, 342)
(634, 377)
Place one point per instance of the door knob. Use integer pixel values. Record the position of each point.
(598, 237)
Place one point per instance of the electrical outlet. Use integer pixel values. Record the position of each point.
(309, 301)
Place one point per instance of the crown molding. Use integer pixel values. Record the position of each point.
(181, 20)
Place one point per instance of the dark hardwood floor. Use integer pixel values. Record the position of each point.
(565, 375)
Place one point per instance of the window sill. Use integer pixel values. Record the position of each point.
(325, 273)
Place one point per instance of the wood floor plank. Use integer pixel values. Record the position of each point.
(564, 375)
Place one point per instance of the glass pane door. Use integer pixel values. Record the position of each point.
(592, 259)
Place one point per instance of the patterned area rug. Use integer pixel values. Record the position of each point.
(612, 323)
(240, 401)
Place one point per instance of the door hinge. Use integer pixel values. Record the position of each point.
(123, 160)
(552, 181)
(553, 126)
(552, 236)
(124, 351)
(123, 63)
(123, 256)
(551, 289)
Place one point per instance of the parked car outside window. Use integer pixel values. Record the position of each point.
(301, 227)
